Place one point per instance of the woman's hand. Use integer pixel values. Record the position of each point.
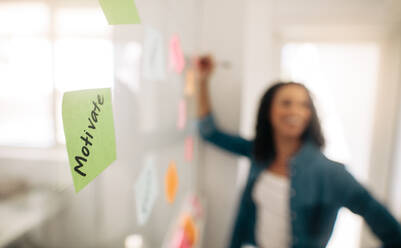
(204, 68)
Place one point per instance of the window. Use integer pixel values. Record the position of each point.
(45, 50)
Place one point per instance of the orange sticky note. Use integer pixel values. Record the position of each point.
(177, 60)
(189, 149)
(190, 229)
(171, 182)
(190, 83)
(182, 114)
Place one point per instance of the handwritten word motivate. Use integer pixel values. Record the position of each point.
(89, 132)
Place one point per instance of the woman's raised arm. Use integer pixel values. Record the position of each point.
(207, 126)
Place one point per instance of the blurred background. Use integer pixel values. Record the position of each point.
(347, 52)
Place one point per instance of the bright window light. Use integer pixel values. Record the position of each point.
(82, 21)
(25, 76)
(40, 60)
(24, 18)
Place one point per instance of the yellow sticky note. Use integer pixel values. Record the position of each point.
(120, 11)
(171, 182)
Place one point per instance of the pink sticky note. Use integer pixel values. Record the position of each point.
(182, 114)
(189, 149)
(177, 60)
(180, 240)
(197, 207)
(186, 243)
(177, 239)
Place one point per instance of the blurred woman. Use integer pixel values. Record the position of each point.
(293, 192)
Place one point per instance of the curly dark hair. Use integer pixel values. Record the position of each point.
(264, 144)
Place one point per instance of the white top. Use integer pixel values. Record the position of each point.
(271, 196)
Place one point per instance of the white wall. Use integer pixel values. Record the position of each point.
(222, 35)
(395, 187)
(261, 59)
(383, 144)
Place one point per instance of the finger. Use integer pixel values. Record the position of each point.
(205, 62)
(197, 63)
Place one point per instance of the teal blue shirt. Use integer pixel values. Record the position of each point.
(319, 188)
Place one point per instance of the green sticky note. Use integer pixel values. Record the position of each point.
(120, 11)
(89, 133)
